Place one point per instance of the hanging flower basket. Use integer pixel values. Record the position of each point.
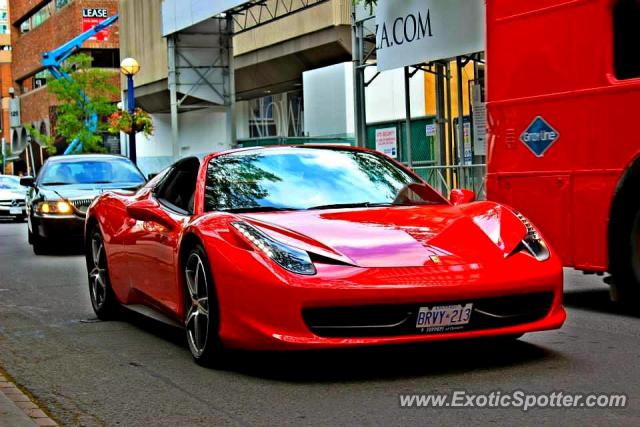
(123, 121)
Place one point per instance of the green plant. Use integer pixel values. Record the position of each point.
(123, 121)
(87, 91)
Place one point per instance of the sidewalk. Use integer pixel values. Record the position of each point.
(17, 409)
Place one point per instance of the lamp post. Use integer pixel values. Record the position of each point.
(130, 68)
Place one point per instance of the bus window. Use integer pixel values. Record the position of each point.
(626, 35)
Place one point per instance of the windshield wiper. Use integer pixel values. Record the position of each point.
(355, 205)
(257, 209)
(57, 183)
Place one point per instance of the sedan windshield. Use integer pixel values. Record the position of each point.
(310, 178)
(102, 171)
(10, 183)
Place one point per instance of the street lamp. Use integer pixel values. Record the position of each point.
(130, 68)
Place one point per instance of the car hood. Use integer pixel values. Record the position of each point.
(83, 191)
(399, 236)
(12, 195)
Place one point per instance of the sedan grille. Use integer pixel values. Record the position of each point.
(397, 320)
(14, 202)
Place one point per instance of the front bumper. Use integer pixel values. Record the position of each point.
(58, 227)
(6, 211)
(265, 308)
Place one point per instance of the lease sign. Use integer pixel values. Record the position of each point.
(92, 17)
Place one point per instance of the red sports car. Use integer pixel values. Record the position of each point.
(317, 247)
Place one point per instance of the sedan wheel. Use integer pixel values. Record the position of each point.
(201, 320)
(102, 298)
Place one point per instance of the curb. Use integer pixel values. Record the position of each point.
(17, 409)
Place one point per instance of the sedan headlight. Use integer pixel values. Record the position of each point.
(54, 207)
(532, 242)
(290, 258)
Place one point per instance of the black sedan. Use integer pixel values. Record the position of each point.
(58, 199)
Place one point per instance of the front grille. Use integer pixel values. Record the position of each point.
(9, 203)
(81, 204)
(398, 320)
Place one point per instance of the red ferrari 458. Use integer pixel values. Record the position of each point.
(316, 247)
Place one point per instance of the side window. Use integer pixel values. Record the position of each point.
(626, 36)
(177, 190)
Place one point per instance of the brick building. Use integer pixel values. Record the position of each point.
(5, 71)
(39, 26)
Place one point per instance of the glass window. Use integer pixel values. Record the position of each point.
(62, 3)
(179, 186)
(10, 183)
(303, 178)
(626, 33)
(112, 171)
(276, 115)
(40, 79)
(104, 58)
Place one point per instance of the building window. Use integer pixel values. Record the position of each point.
(262, 123)
(104, 58)
(62, 3)
(41, 15)
(40, 79)
(626, 33)
(276, 115)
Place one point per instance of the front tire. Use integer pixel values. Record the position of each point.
(103, 300)
(201, 309)
(40, 245)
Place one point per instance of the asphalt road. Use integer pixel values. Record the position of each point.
(137, 372)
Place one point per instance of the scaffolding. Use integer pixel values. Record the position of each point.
(452, 168)
(200, 59)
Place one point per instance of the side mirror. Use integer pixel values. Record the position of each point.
(149, 211)
(460, 196)
(27, 181)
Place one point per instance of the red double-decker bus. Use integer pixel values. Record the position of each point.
(563, 91)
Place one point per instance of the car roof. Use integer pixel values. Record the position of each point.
(76, 157)
(10, 176)
(300, 147)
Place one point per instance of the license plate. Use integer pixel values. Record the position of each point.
(15, 210)
(444, 318)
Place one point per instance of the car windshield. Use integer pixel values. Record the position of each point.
(9, 183)
(94, 171)
(310, 178)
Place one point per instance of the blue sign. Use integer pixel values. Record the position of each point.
(539, 136)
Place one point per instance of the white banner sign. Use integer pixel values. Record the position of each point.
(410, 32)
(387, 142)
(180, 14)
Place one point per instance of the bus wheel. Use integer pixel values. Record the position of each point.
(635, 248)
(624, 255)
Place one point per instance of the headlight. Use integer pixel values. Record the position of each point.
(292, 259)
(532, 242)
(54, 207)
